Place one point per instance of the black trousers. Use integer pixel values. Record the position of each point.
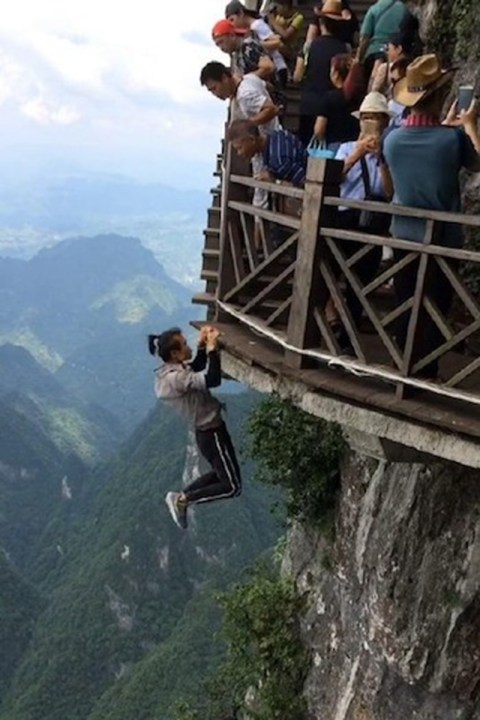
(224, 480)
(440, 292)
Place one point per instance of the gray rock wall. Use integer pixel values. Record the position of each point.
(393, 603)
(393, 619)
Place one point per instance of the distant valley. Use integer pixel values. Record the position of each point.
(40, 214)
(83, 309)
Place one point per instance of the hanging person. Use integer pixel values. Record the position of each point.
(184, 384)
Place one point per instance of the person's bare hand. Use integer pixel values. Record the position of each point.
(368, 144)
(465, 119)
(452, 118)
(318, 128)
(202, 338)
(263, 176)
(212, 338)
(469, 117)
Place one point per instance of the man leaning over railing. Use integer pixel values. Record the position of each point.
(249, 98)
(425, 158)
(283, 154)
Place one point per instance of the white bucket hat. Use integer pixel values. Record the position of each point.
(374, 102)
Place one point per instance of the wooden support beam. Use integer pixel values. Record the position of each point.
(268, 289)
(229, 268)
(323, 178)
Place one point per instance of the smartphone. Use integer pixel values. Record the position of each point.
(369, 127)
(465, 97)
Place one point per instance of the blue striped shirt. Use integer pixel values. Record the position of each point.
(285, 157)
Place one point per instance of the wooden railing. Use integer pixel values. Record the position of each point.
(280, 266)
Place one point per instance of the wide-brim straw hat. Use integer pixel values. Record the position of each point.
(424, 76)
(332, 9)
(374, 102)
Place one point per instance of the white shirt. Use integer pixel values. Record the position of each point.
(353, 187)
(251, 96)
(265, 32)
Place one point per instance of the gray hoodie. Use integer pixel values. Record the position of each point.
(187, 393)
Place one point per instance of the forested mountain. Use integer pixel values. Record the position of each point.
(130, 621)
(19, 607)
(76, 427)
(36, 481)
(83, 309)
(108, 610)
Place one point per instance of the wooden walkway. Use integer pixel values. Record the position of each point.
(427, 409)
(274, 270)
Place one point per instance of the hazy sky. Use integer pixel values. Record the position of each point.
(109, 86)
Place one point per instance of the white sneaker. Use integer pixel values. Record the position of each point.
(178, 510)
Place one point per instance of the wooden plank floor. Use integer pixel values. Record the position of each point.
(430, 410)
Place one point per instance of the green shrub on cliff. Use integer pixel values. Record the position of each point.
(265, 650)
(263, 675)
(299, 453)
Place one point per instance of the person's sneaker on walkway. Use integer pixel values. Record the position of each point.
(177, 509)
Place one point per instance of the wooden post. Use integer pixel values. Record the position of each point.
(233, 165)
(323, 178)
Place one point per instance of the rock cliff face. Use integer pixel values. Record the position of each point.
(393, 602)
(393, 610)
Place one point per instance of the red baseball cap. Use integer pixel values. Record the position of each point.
(224, 27)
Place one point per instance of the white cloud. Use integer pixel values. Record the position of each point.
(148, 40)
(97, 65)
(38, 110)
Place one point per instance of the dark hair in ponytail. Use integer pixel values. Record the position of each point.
(164, 344)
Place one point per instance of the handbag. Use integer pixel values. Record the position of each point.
(318, 149)
(374, 223)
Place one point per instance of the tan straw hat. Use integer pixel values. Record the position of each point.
(374, 102)
(332, 9)
(424, 76)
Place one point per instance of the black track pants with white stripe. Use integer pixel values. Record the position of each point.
(224, 480)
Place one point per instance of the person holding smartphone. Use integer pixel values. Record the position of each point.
(364, 178)
(185, 385)
(437, 152)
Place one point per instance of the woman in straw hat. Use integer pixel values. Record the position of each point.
(437, 152)
(314, 68)
(346, 29)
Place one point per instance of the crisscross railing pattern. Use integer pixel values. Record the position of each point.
(259, 249)
(285, 265)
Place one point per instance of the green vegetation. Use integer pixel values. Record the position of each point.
(265, 650)
(31, 473)
(26, 338)
(299, 453)
(84, 308)
(125, 634)
(266, 662)
(135, 298)
(19, 607)
(454, 31)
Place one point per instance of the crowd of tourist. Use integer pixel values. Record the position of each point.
(371, 98)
